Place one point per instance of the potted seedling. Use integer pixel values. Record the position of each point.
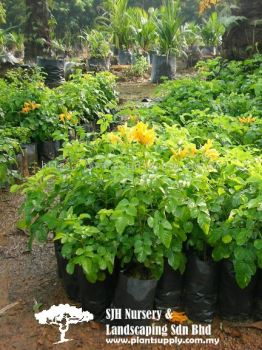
(212, 32)
(98, 50)
(171, 40)
(117, 22)
(53, 64)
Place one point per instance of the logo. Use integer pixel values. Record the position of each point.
(63, 316)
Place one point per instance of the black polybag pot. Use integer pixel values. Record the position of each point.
(48, 150)
(54, 70)
(32, 154)
(163, 66)
(98, 64)
(134, 294)
(70, 282)
(96, 297)
(125, 57)
(169, 289)
(235, 304)
(258, 297)
(200, 294)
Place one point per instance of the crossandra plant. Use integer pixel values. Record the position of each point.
(235, 233)
(154, 193)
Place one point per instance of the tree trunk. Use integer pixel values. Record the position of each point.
(37, 32)
(245, 39)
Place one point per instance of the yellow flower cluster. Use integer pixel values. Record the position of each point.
(65, 116)
(187, 151)
(247, 120)
(191, 151)
(205, 4)
(210, 152)
(139, 133)
(142, 134)
(114, 138)
(30, 106)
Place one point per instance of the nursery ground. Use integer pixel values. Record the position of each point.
(28, 277)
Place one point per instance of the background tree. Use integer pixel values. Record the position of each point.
(37, 29)
(245, 38)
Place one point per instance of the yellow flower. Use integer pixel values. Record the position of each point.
(207, 145)
(123, 129)
(30, 106)
(62, 117)
(34, 105)
(212, 154)
(247, 120)
(140, 133)
(187, 151)
(113, 138)
(25, 110)
(69, 116)
(205, 4)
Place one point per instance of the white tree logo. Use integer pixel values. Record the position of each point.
(63, 315)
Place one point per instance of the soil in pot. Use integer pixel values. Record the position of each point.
(163, 66)
(200, 289)
(133, 294)
(169, 289)
(54, 70)
(96, 297)
(70, 282)
(235, 304)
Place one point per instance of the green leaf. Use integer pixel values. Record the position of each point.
(227, 239)
(258, 244)
(121, 223)
(188, 227)
(165, 237)
(203, 220)
(70, 268)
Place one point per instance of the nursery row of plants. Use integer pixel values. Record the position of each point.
(178, 186)
(33, 113)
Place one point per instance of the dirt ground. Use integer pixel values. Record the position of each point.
(28, 277)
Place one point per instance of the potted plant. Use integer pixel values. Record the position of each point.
(236, 233)
(171, 40)
(116, 21)
(212, 32)
(143, 29)
(98, 50)
(53, 64)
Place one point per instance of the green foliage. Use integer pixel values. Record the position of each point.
(81, 99)
(168, 24)
(143, 27)
(2, 14)
(97, 44)
(9, 147)
(139, 68)
(116, 21)
(212, 30)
